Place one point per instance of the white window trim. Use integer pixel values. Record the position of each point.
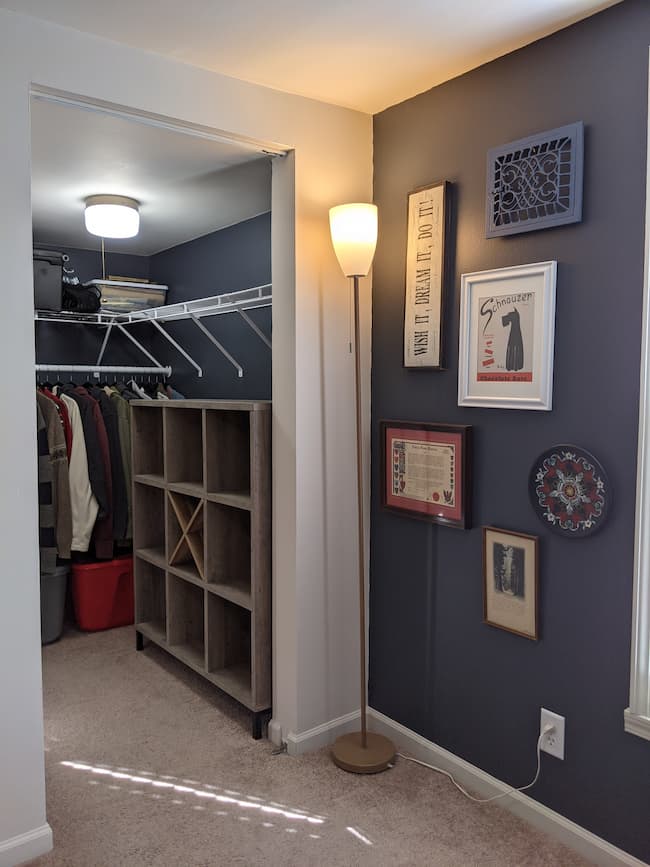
(637, 715)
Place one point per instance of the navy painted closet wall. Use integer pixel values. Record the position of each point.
(234, 258)
(434, 666)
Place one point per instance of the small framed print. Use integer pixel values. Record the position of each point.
(510, 581)
(426, 264)
(507, 337)
(426, 471)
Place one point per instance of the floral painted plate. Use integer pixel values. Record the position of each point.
(569, 491)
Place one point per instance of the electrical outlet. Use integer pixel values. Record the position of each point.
(552, 742)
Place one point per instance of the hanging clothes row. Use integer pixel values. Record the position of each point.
(84, 450)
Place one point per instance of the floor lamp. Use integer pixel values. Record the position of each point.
(354, 236)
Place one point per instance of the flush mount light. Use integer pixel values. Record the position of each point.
(112, 216)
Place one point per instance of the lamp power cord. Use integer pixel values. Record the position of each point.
(548, 728)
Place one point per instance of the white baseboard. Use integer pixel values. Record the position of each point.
(593, 848)
(26, 846)
(322, 735)
(274, 733)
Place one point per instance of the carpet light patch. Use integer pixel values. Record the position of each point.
(230, 796)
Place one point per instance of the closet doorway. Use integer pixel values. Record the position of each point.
(203, 253)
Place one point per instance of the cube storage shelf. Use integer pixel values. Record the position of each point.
(202, 540)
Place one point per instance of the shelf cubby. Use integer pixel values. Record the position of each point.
(185, 516)
(202, 539)
(228, 552)
(147, 437)
(227, 455)
(150, 600)
(186, 621)
(184, 448)
(229, 651)
(149, 522)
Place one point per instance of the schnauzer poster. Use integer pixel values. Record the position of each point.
(506, 337)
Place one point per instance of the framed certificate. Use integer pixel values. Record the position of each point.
(426, 263)
(426, 471)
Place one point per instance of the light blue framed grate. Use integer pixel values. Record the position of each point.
(535, 182)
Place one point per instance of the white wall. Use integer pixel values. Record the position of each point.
(315, 612)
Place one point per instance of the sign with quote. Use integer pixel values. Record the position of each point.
(425, 273)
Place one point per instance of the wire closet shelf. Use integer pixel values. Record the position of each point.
(200, 308)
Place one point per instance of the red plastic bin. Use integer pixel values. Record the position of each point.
(103, 594)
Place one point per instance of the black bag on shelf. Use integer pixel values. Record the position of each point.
(48, 279)
(81, 299)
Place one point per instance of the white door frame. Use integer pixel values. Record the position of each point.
(637, 715)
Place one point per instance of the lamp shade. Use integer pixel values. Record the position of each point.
(354, 236)
(112, 216)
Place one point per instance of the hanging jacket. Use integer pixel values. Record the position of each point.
(103, 531)
(94, 456)
(60, 476)
(65, 419)
(118, 484)
(46, 531)
(82, 500)
(124, 428)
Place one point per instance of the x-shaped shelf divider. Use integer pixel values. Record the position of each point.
(190, 520)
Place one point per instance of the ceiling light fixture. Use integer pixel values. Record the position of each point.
(112, 216)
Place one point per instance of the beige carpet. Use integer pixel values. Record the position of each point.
(147, 765)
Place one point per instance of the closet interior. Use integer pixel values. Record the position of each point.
(153, 387)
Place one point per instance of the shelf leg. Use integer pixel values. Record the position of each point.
(139, 640)
(257, 725)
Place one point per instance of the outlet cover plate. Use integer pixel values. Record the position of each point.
(553, 743)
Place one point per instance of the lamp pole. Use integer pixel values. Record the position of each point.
(354, 236)
(360, 522)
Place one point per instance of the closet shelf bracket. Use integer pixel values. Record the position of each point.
(222, 349)
(104, 342)
(137, 343)
(177, 346)
(255, 328)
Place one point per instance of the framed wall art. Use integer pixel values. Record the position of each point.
(507, 336)
(569, 491)
(510, 581)
(427, 214)
(425, 471)
(535, 182)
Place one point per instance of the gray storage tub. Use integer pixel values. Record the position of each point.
(53, 587)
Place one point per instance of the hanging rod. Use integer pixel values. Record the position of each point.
(102, 368)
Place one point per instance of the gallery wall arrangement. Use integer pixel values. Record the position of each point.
(509, 276)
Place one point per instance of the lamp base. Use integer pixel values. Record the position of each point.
(350, 755)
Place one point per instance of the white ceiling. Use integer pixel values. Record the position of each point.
(187, 186)
(366, 54)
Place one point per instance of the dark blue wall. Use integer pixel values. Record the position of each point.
(235, 258)
(88, 263)
(434, 666)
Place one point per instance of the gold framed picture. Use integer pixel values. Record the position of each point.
(510, 581)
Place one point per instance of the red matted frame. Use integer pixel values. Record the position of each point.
(456, 440)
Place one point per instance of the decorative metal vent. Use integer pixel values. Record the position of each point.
(536, 182)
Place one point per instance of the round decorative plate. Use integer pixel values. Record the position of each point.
(569, 491)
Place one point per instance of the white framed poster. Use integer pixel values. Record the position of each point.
(425, 276)
(507, 336)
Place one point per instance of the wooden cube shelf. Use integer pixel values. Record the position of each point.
(147, 435)
(150, 600)
(202, 538)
